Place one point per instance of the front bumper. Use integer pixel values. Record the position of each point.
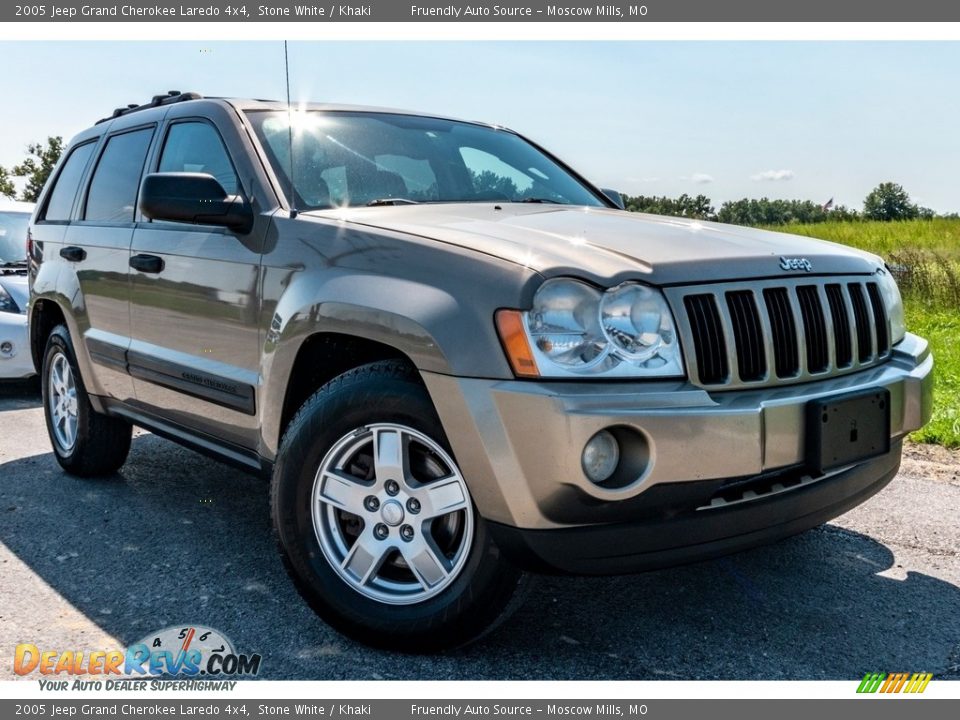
(519, 446)
(677, 527)
(16, 362)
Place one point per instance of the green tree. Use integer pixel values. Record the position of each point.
(842, 213)
(491, 185)
(698, 208)
(889, 201)
(38, 166)
(776, 212)
(6, 184)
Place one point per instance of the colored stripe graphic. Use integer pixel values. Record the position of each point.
(871, 682)
(900, 681)
(894, 683)
(889, 682)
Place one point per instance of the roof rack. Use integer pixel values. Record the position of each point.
(173, 96)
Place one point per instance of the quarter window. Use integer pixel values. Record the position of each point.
(112, 197)
(64, 190)
(197, 147)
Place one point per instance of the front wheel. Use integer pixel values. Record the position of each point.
(376, 522)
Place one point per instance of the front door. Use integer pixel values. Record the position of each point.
(194, 353)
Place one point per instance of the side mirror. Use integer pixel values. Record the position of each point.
(194, 198)
(614, 197)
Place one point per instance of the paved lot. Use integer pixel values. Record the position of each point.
(177, 538)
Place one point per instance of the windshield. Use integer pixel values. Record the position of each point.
(13, 236)
(358, 158)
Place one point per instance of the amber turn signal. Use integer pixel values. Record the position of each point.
(515, 343)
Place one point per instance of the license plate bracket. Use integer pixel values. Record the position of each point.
(844, 429)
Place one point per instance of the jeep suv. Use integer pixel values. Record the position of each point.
(456, 359)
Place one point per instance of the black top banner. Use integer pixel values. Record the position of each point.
(485, 11)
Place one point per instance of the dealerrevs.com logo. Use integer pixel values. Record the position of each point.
(193, 652)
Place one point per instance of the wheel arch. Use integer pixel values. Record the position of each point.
(321, 357)
(45, 315)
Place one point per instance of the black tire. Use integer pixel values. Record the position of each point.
(102, 443)
(482, 595)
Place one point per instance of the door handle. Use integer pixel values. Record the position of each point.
(147, 263)
(73, 254)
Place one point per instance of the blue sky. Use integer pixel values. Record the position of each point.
(810, 120)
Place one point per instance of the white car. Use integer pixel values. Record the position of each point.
(15, 360)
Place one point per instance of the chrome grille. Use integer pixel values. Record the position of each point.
(777, 332)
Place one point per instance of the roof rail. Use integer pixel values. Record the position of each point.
(173, 96)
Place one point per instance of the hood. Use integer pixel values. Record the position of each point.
(610, 246)
(19, 289)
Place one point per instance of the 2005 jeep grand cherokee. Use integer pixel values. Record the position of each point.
(457, 359)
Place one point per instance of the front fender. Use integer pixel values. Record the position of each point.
(430, 301)
(286, 337)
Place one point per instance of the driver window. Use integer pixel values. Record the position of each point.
(197, 147)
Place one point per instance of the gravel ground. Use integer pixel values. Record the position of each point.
(177, 538)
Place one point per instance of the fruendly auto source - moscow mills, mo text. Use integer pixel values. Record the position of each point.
(240, 11)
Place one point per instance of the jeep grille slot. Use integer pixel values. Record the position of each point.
(864, 344)
(747, 335)
(814, 329)
(786, 359)
(709, 345)
(780, 331)
(840, 319)
(879, 318)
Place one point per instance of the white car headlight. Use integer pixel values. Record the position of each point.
(575, 330)
(894, 304)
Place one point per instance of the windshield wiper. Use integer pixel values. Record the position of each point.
(15, 265)
(539, 200)
(391, 201)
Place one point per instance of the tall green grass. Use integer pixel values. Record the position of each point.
(925, 257)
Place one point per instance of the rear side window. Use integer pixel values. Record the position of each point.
(68, 181)
(196, 147)
(113, 190)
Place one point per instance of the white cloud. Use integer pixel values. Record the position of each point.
(701, 178)
(773, 175)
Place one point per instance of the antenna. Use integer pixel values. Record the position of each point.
(286, 68)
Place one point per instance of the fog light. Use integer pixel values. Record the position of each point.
(6, 348)
(601, 455)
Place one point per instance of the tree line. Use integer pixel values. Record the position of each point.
(886, 202)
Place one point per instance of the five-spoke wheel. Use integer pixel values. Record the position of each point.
(392, 514)
(376, 522)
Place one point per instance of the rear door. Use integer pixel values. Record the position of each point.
(97, 245)
(195, 352)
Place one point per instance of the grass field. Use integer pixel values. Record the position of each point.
(925, 255)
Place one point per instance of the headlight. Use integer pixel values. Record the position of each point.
(575, 330)
(7, 303)
(894, 304)
(564, 325)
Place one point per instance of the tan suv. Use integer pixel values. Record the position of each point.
(456, 359)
